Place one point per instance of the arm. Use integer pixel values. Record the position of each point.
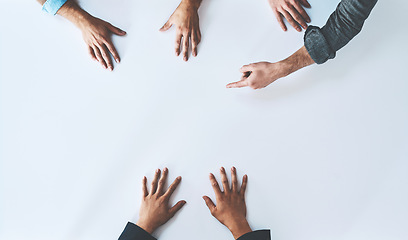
(261, 74)
(342, 26)
(320, 45)
(155, 209)
(231, 208)
(185, 17)
(96, 32)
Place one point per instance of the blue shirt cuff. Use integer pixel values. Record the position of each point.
(52, 6)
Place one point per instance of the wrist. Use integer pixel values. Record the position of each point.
(239, 228)
(191, 4)
(75, 14)
(145, 226)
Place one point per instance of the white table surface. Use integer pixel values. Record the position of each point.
(325, 149)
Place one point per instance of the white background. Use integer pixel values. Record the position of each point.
(325, 149)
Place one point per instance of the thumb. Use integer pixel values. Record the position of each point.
(177, 207)
(209, 202)
(116, 30)
(245, 68)
(166, 26)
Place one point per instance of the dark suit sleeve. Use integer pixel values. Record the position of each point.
(134, 232)
(256, 235)
(342, 26)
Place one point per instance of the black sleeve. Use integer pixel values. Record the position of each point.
(256, 235)
(134, 232)
(342, 26)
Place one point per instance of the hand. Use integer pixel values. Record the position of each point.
(185, 17)
(293, 11)
(97, 35)
(155, 210)
(259, 75)
(230, 209)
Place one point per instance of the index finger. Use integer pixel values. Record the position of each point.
(215, 185)
(239, 84)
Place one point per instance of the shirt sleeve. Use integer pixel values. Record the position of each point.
(342, 26)
(52, 6)
(134, 232)
(256, 235)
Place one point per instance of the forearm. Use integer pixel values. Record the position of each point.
(74, 13)
(296, 61)
(192, 3)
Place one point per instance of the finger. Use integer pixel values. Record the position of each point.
(154, 182)
(302, 12)
(298, 18)
(305, 3)
(215, 185)
(112, 50)
(178, 42)
(280, 20)
(224, 180)
(243, 185)
(239, 84)
(91, 52)
(177, 207)
(210, 204)
(172, 187)
(194, 43)
(291, 21)
(116, 30)
(144, 187)
(162, 181)
(234, 179)
(166, 26)
(185, 46)
(106, 56)
(99, 57)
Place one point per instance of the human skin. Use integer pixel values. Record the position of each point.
(95, 32)
(293, 11)
(155, 209)
(261, 74)
(230, 209)
(186, 20)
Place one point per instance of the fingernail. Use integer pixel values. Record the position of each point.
(298, 28)
(179, 178)
(117, 60)
(233, 169)
(211, 175)
(165, 169)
